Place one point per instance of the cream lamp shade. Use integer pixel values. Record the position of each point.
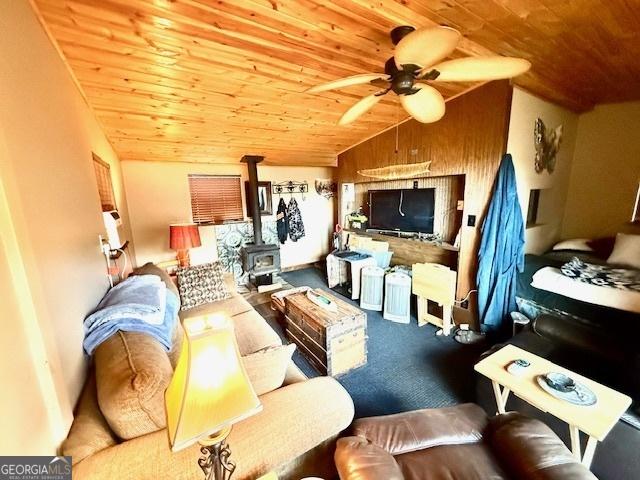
(210, 389)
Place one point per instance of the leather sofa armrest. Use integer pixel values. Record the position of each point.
(357, 459)
(527, 448)
(420, 429)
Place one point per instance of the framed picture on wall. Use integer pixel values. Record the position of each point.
(264, 198)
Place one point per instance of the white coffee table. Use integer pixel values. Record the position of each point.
(596, 421)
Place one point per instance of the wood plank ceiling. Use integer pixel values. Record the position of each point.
(212, 80)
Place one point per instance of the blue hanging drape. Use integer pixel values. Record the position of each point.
(501, 253)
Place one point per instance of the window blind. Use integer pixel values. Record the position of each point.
(105, 187)
(215, 198)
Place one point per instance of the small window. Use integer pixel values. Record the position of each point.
(636, 209)
(105, 187)
(532, 210)
(215, 199)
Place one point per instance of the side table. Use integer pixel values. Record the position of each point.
(596, 421)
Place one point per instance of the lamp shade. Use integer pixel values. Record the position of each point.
(209, 390)
(184, 236)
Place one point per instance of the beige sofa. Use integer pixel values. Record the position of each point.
(294, 434)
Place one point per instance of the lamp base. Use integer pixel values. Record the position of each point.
(214, 461)
(183, 258)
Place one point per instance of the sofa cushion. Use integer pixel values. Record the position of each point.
(231, 307)
(201, 284)
(626, 251)
(420, 429)
(529, 449)
(253, 333)
(467, 461)
(267, 368)
(89, 432)
(132, 373)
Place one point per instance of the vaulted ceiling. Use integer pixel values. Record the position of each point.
(212, 80)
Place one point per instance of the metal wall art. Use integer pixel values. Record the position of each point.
(326, 187)
(547, 143)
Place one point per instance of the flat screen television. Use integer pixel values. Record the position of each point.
(406, 210)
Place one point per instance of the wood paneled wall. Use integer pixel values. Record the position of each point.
(470, 140)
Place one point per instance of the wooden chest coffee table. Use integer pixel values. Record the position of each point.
(334, 342)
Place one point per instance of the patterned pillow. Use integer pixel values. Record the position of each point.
(201, 284)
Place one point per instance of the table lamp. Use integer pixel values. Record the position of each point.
(182, 237)
(208, 393)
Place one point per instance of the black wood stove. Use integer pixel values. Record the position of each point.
(259, 260)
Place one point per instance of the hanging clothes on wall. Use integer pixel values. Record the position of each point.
(282, 221)
(296, 227)
(501, 254)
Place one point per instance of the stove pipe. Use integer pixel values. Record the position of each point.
(252, 161)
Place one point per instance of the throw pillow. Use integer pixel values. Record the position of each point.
(574, 244)
(602, 247)
(201, 284)
(267, 368)
(626, 251)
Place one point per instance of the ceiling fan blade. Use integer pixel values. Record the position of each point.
(360, 107)
(426, 46)
(426, 106)
(475, 69)
(347, 82)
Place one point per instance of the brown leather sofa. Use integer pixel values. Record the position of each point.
(455, 443)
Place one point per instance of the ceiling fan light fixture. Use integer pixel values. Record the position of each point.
(416, 61)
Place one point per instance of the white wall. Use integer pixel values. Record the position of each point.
(605, 172)
(525, 109)
(158, 195)
(55, 273)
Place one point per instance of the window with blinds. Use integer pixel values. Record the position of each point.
(215, 199)
(105, 187)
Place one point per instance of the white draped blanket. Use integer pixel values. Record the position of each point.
(552, 280)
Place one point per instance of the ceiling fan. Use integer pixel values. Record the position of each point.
(417, 54)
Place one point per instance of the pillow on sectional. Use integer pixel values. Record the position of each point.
(574, 244)
(201, 284)
(626, 251)
(132, 373)
(602, 247)
(267, 368)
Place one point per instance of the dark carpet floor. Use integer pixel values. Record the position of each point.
(408, 367)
